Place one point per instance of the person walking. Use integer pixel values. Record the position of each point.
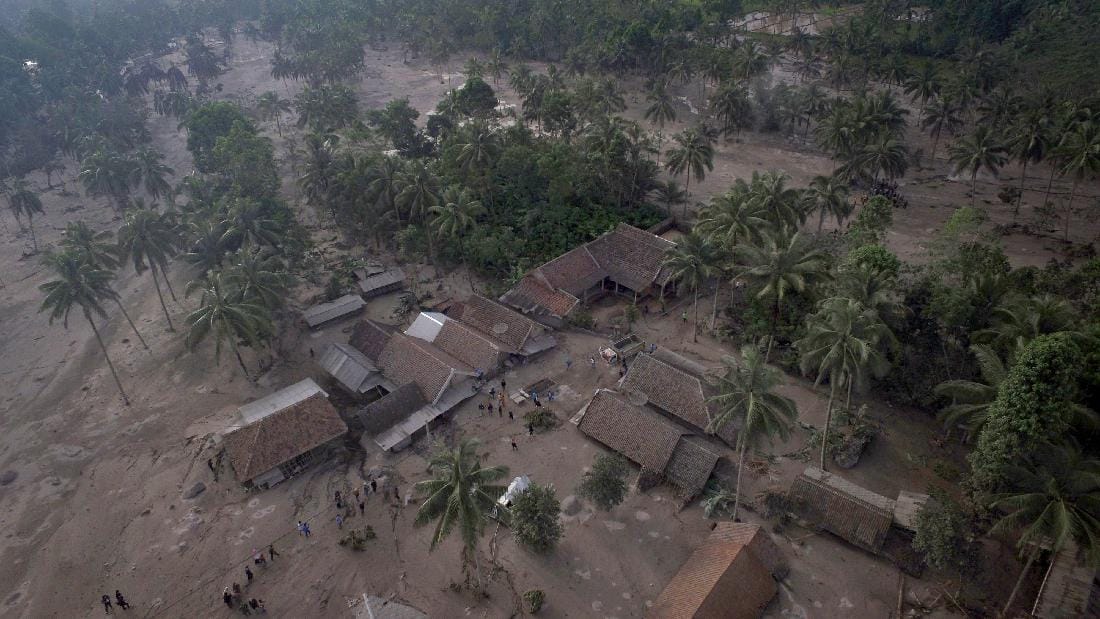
(530, 429)
(373, 486)
(210, 463)
(271, 551)
(339, 500)
(396, 494)
(339, 521)
(248, 574)
(568, 363)
(305, 529)
(227, 598)
(510, 416)
(514, 446)
(302, 527)
(500, 410)
(362, 508)
(121, 601)
(236, 590)
(106, 599)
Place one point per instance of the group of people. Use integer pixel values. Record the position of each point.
(120, 600)
(233, 596)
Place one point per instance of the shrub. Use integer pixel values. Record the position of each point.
(536, 518)
(534, 599)
(357, 539)
(605, 483)
(942, 534)
(540, 419)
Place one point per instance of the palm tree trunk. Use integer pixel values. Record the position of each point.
(1050, 183)
(973, 188)
(821, 221)
(168, 282)
(737, 487)
(772, 328)
(714, 311)
(1065, 236)
(1020, 197)
(106, 356)
(1019, 581)
(848, 399)
(828, 420)
(935, 143)
(132, 326)
(237, 353)
(695, 326)
(160, 295)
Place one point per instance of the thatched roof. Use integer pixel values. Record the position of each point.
(842, 508)
(282, 435)
(731, 575)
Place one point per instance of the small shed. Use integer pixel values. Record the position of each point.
(1069, 587)
(842, 508)
(730, 576)
(377, 284)
(323, 312)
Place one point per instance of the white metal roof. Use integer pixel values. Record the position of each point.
(271, 403)
(427, 326)
(348, 366)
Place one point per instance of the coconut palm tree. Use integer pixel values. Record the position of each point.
(23, 201)
(842, 343)
(456, 213)
(661, 110)
(97, 249)
(923, 85)
(418, 192)
(689, 263)
(478, 151)
(1018, 320)
(746, 396)
(943, 115)
(151, 172)
(227, 317)
(496, 65)
(970, 399)
(94, 248)
(1078, 155)
(148, 240)
(692, 156)
(887, 156)
(827, 195)
(247, 223)
(730, 217)
(107, 173)
(79, 284)
(319, 171)
(773, 200)
(670, 194)
(462, 493)
(979, 150)
(272, 107)
(257, 278)
(777, 265)
(731, 105)
(1053, 502)
(1028, 143)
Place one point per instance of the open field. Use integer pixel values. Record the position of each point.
(96, 501)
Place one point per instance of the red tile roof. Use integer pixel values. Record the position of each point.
(574, 271)
(408, 359)
(487, 316)
(370, 338)
(265, 444)
(467, 345)
(530, 294)
(674, 391)
(730, 576)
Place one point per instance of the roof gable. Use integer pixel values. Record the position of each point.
(265, 444)
(407, 359)
(643, 437)
(469, 346)
(574, 271)
(370, 338)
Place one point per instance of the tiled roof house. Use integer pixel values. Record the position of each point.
(730, 576)
(673, 391)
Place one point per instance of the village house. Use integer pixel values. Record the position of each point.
(625, 261)
(659, 446)
(514, 333)
(836, 505)
(730, 576)
(282, 434)
(674, 392)
(352, 370)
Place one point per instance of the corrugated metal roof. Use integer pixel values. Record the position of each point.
(324, 312)
(377, 281)
(283, 398)
(348, 366)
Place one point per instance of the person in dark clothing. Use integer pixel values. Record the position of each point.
(271, 551)
(514, 446)
(530, 429)
(362, 508)
(373, 486)
(396, 495)
(253, 604)
(248, 574)
(121, 601)
(339, 500)
(503, 385)
(210, 463)
(227, 597)
(106, 599)
(511, 417)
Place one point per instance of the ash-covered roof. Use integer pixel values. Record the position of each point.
(280, 436)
